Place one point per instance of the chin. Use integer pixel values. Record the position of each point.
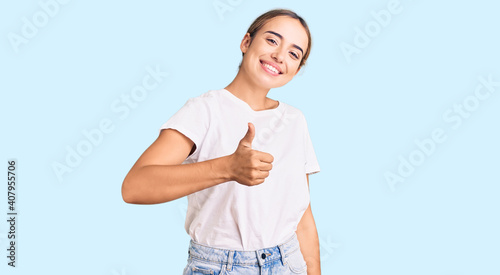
(270, 84)
(279, 85)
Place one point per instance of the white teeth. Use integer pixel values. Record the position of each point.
(271, 68)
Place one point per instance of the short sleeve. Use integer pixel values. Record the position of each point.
(311, 164)
(191, 120)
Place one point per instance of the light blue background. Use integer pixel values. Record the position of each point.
(362, 115)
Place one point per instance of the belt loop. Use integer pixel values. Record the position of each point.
(230, 260)
(282, 252)
(259, 259)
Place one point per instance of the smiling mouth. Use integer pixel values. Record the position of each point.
(270, 68)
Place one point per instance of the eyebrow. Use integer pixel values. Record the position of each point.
(281, 37)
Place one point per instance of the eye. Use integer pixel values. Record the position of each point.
(271, 40)
(296, 56)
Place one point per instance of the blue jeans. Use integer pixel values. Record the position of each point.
(285, 258)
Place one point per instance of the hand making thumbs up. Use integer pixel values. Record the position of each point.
(250, 167)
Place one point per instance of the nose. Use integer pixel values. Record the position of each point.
(278, 54)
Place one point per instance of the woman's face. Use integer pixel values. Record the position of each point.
(273, 57)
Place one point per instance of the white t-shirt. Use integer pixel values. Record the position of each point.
(231, 215)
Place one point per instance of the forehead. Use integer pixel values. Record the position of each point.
(290, 28)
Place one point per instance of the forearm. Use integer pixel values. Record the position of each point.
(307, 235)
(154, 184)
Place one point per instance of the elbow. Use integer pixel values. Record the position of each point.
(133, 193)
(135, 190)
(129, 191)
(128, 199)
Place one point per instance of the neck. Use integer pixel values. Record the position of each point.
(250, 92)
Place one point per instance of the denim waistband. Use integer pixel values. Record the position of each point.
(237, 257)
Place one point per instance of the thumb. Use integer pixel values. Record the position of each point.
(248, 138)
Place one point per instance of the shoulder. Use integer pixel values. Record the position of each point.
(293, 111)
(206, 99)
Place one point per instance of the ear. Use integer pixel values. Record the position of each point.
(245, 43)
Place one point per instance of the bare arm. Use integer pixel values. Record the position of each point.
(159, 176)
(307, 235)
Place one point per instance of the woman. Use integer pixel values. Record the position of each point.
(243, 160)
